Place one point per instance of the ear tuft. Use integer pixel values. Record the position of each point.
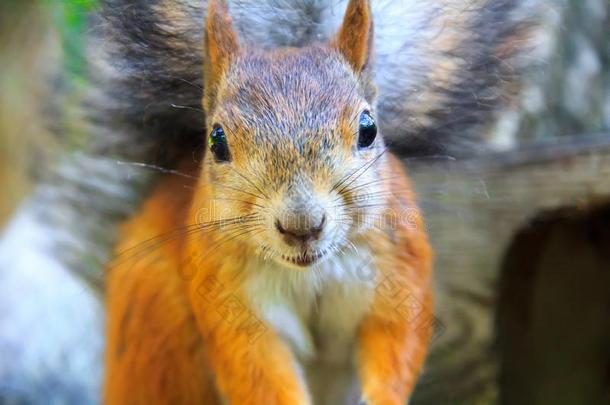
(221, 46)
(355, 37)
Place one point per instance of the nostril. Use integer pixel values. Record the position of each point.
(321, 225)
(279, 226)
(317, 230)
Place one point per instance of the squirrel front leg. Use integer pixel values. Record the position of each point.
(392, 349)
(250, 363)
(394, 336)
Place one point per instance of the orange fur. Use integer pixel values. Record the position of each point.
(221, 45)
(184, 324)
(155, 350)
(354, 40)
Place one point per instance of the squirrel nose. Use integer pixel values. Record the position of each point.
(299, 232)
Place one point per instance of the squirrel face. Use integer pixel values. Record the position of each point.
(293, 141)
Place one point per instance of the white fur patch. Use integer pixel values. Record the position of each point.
(51, 325)
(317, 311)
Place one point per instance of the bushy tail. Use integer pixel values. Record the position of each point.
(443, 67)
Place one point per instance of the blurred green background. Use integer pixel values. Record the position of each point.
(42, 74)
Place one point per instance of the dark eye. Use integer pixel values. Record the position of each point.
(218, 144)
(367, 131)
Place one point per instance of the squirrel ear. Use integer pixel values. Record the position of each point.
(355, 37)
(220, 47)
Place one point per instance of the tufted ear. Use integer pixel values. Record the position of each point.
(355, 37)
(221, 45)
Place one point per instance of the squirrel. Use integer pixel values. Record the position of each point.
(299, 234)
(442, 69)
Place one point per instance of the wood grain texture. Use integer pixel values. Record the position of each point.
(473, 210)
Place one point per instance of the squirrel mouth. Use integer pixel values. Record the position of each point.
(305, 259)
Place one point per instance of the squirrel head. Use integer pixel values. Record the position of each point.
(293, 144)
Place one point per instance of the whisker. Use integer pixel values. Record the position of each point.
(249, 181)
(186, 107)
(368, 166)
(155, 167)
(432, 157)
(254, 231)
(189, 82)
(237, 200)
(179, 229)
(237, 189)
(236, 229)
(341, 182)
(371, 205)
(186, 234)
(353, 200)
(380, 198)
(381, 180)
(233, 235)
(159, 240)
(149, 245)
